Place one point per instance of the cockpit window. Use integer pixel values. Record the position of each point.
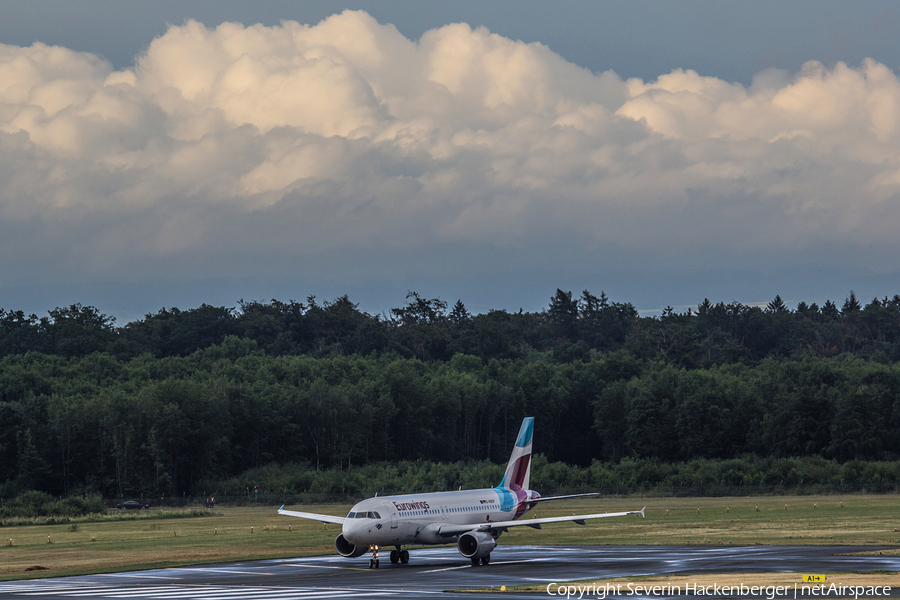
(363, 515)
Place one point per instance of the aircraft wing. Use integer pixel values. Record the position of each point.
(448, 530)
(312, 516)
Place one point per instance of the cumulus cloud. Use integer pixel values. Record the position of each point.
(248, 149)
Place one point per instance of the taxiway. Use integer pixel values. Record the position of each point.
(433, 571)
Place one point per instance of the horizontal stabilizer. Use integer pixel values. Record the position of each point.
(563, 497)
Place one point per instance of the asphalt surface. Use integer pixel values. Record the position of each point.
(432, 572)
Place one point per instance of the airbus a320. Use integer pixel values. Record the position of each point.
(473, 519)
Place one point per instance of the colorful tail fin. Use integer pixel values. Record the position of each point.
(518, 471)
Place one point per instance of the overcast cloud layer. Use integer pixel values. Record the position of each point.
(346, 153)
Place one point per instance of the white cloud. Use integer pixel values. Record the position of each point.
(245, 148)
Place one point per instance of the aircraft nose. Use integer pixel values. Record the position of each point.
(351, 529)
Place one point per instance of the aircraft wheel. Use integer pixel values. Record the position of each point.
(371, 563)
(475, 562)
(485, 559)
(404, 556)
(395, 557)
(376, 563)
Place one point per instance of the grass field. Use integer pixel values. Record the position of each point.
(258, 532)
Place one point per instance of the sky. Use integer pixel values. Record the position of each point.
(177, 153)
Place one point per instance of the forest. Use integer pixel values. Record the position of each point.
(187, 401)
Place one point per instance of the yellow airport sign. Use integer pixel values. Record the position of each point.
(813, 579)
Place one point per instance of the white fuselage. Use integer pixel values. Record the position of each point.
(418, 518)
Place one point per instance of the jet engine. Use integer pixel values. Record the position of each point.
(348, 550)
(476, 544)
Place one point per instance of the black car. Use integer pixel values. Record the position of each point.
(131, 504)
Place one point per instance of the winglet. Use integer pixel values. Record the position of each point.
(642, 512)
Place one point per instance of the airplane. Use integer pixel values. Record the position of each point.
(473, 519)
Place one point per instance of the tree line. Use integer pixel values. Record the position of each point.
(570, 329)
(179, 400)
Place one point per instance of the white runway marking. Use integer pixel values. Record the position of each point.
(448, 569)
(302, 566)
(469, 566)
(135, 575)
(176, 592)
(217, 570)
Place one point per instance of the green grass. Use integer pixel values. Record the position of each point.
(153, 539)
(147, 542)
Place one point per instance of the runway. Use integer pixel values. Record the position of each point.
(433, 571)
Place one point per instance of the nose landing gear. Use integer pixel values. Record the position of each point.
(373, 562)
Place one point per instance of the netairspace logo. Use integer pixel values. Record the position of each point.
(771, 592)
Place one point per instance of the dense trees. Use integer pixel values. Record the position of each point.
(177, 399)
(162, 425)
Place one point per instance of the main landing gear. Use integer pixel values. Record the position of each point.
(483, 560)
(399, 555)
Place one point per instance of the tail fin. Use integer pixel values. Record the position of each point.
(518, 471)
